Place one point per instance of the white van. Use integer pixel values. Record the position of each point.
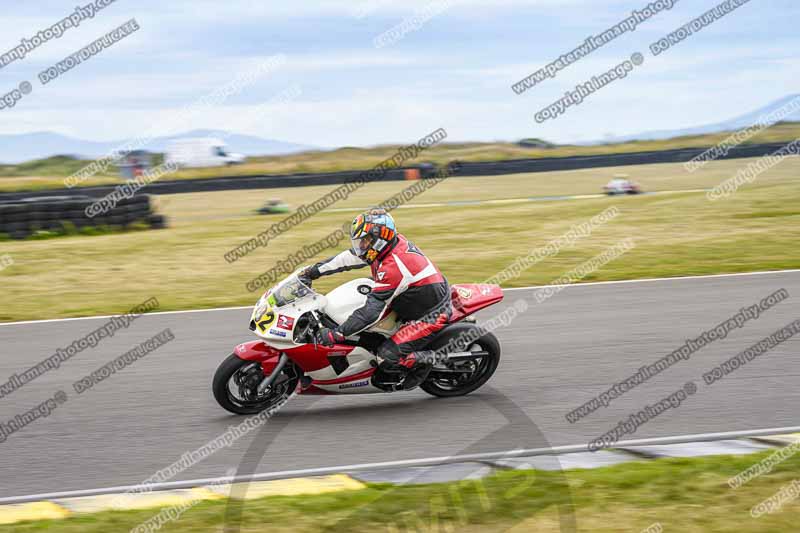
(201, 152)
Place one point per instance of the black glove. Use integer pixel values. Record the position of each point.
(305, 277)
(328, 337)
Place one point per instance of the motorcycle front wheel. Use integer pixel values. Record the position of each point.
(236, 381)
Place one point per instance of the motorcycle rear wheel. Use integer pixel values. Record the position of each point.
(470, 381)
(235, 382)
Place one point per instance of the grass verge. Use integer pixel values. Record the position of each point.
(689, 495)
(183, 266)
(50, 173)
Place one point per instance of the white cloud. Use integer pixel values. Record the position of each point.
(443, 76)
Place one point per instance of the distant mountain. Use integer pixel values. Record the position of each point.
(27, 146)
(737, 123)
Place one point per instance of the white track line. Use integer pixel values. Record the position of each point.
(532, 287)
(553, 198)
(431, 461)
(109, 316)
(647, 280)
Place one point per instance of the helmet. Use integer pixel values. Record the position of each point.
(371, 233)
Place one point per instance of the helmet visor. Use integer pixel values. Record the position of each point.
(361, 245)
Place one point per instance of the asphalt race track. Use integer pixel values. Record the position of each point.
(556, 356)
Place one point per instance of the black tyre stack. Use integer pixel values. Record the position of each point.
(21, 218)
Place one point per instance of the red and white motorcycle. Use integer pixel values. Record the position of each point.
(264, 373)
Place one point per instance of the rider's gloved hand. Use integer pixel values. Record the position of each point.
(305, 276)
(328, 337)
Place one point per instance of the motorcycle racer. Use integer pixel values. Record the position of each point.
(406, 281)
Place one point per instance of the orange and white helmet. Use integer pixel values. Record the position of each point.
(371, 233)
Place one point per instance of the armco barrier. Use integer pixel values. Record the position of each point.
(21, 218)
(488, 168)
(548, 164)
(220, 184)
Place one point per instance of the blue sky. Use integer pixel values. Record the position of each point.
(453, 72)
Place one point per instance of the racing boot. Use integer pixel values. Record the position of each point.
(418, 365)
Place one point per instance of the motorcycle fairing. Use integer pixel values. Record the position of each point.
(261, 352)
(469, 298)
(343, 368)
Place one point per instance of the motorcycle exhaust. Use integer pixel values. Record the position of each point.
(465, 356)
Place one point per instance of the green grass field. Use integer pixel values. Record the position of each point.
(183, 266)
(50, 173)
(686, 495)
